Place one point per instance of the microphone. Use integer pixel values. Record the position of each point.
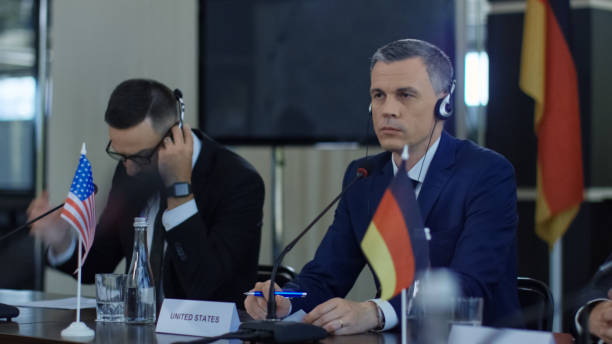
(287, 331)
(296, 331)
(8, 312)
(363, 171)
(27, 224)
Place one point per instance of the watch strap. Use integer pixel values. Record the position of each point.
(179, 189)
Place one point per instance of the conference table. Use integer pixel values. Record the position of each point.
(44, 325)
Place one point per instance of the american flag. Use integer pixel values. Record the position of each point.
(80, 208)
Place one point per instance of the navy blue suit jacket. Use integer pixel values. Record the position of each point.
(597, 289)
(468, 200)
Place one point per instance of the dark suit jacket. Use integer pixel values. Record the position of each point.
(599, 285)
(597, 289)
(468, 200)
(212, 255)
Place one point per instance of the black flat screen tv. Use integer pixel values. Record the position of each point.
(297, 71)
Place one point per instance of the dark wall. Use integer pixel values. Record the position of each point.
(17, 263)
(291, 71)
(601, 80)
(510, 132)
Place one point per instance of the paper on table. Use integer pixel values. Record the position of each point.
(66, 303)
(297, 316)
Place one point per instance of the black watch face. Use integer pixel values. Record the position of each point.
(181, 189)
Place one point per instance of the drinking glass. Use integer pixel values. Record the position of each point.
(110, 297)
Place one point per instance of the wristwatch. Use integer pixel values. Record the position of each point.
(380, 317)
(180, 189)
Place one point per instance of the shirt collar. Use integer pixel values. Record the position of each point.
(419, 170)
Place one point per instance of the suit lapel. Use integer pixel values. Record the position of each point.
(438, 174)
(205, 160)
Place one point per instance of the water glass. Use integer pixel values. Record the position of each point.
(468, 311)
(110, 297)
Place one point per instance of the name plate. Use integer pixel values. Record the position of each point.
(461, 334)
(197, 318)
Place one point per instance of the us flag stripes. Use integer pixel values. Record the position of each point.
(80, 209)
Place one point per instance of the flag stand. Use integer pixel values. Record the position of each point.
(78, 329)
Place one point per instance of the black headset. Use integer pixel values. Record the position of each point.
(179, 98)
(444, 106)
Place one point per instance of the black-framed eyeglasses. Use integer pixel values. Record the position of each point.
(139, 159)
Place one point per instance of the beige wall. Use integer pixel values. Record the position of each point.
(94, 46)
(97, 44)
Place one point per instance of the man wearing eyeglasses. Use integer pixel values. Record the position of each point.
(203, 203)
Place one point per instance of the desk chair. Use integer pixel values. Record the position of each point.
(537, 304)
(284, 274)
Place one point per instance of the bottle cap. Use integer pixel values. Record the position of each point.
(140, 222)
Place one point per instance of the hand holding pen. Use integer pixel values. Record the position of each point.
(257, 306)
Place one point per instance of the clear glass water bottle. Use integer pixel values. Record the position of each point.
(140, 287)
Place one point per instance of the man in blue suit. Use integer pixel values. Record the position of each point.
(467, 196)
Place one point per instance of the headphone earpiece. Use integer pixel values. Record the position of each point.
(370, 109)
(444, 106)
(179, 98)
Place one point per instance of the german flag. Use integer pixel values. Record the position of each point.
(395, 243)
(548, 75)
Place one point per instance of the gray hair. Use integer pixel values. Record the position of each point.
(439, 66)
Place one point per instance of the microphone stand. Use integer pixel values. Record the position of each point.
(285, 331)
(7, 311)
(30, 222)
(361, 172)
(37, 218)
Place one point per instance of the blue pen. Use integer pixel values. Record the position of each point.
(281, 293)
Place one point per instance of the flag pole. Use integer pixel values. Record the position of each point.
(78, 310)
(404, 326)
(556, 282)
(78, 330)
(405, 156)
